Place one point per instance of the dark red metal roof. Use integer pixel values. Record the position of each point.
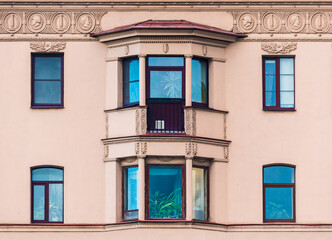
(167, 24)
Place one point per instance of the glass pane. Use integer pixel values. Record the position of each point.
(270, 66)
(270, 98)
(47, 92)
(199, 193)
(165, 84)
(55, 202)
(165, 185)
(270, 82)
(278, 203)
(286, 66)
(38, 202)
(48, 68)
(286, 82)
(131, 69)
(287, 99)
(166, 61)
(199, 81)
(47, 174)
(279, 174)
(131, 189)
(131, 215)
(131, 92)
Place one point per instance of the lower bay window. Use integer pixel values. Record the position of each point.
(165, 192)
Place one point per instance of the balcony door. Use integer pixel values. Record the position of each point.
(165, 94)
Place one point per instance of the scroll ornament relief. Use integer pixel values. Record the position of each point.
(190, 120)
(191, 150)
(141, 125)
(279, 48)
(141, 148)
(50, 22)
(47, 46)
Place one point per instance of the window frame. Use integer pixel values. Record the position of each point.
(279, 185)
(198, 104)
(147, 191)
(46, 183)
(123, 193)
(277, 59)
(46, 105)
(124, 82)
(148, 69)
(207, 172)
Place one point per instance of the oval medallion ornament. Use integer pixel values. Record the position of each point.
(12, 22)
(271, 22)
(295, 22)
(319, 22)
(85, 22)
(247, 22)
(60, 22)
(36, 22)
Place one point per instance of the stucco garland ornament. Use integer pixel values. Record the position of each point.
(279, 48)
(47, 47)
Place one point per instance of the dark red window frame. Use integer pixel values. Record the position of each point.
(199, 104)
(277, 107)
(46, 184)
(46, 105)
(279, 185)
(123, 194)
(147, 190)
(207, 172)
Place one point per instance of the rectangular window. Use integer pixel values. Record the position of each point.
(47, 195)
(200, 193)
(130, 191)
(130, 81)
(165, 193)
(199, 85)
(47, 80)
(278, 83)
(279, 193)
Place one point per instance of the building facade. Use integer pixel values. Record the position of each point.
(177, 119)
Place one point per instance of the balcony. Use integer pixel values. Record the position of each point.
(165, 115)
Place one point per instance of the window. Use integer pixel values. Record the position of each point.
(165, 192)
(47, 80)
(130, 81)
(130, 191)
(279, 193)
(200, 193)
(199, 85)
(278, 83)
(165, 94)
(47, 195)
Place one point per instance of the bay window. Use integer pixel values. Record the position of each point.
(200, 193)
(199, 78)
(130, 81)
(130, 192)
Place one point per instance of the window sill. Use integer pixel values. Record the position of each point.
(279, 110)
(47, 107)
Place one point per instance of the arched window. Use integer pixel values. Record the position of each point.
(279, 193)
(47, 195)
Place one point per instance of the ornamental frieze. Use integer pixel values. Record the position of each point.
(285, 22)
(50, 22)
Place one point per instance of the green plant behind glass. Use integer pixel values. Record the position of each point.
(163, 206)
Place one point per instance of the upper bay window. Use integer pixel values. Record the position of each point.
(279, 193)
(47, 80)
(47, 195)
(278, 83)
(199, 84)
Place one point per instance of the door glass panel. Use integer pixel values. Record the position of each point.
(55, 202)
(165, 84)
(165, 192)
(38, 202)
